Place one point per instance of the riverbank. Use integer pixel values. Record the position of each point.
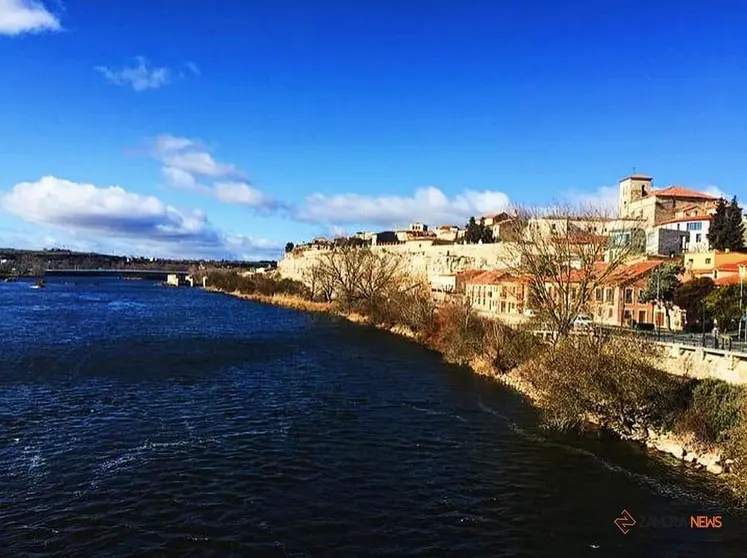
(685, 448)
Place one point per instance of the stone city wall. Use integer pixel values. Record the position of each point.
(424, 260)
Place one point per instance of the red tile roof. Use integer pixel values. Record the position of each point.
(731, 266)
(686, 219)
(682, 192)
(496, 277)
(629, 273)
(728, 280)
(468, 274)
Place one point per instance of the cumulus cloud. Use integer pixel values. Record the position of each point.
(187, 164)
(429, 205)
(140, 77)
(605, 198)
(26, 16)
(127, 217)
(242, 193)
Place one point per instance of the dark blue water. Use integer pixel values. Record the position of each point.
(138, 420)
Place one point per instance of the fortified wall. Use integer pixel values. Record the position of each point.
(423, 259)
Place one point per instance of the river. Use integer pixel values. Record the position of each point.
(140, 420)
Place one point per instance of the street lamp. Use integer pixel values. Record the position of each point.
(741, 299)
(658, 305)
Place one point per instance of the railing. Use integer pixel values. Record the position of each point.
(724, 342)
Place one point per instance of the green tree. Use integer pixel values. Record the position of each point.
(478, 232)
(723, 304)
(727, 228)
(661, 286)
(289, 247)
(690, 297)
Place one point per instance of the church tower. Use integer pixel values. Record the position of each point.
(633, 188)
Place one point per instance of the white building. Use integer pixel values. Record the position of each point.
(696, 228)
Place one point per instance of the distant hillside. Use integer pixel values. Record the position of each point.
(34, 262)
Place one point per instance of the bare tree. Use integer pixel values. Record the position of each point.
(564, 253)
(361, 279)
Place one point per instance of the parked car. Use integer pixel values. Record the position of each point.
(583, 321)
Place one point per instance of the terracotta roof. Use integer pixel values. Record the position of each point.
(447, 227)
(686, 219)
(728, 280)
(731, 266)
(638, 176)
(469, 273)
(629, 273)
(682, 192)
(496, 277)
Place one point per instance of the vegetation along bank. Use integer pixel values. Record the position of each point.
(578, 382)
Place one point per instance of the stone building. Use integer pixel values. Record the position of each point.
(638, 199)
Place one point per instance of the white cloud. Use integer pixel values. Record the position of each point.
(187, 164)
(199, 163)
(179, 178)
(605, 198)
(139, 77)
(242, 194)
(26, 16)
(126, 218)
(716, 192)
(192, 67)
(429, 205)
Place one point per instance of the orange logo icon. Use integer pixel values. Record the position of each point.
(625, 522)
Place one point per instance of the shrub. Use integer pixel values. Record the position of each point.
(645, 327)
(613, 380)
(457, 333)
(508, 347)
(231, 281)
(713, 411)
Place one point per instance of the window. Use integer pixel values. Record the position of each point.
(641, 316)
(698, 237)
(695, 226)
(609, 313)
(628, 296)
(678, 226)
(708, 261)
(608, 294)
(503, 306)
(598, 296)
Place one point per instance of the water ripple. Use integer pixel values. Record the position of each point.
(149, 421)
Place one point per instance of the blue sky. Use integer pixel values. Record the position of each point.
(225, 129)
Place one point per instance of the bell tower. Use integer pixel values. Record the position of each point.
(632, 189)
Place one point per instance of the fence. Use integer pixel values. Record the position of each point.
(728, 343)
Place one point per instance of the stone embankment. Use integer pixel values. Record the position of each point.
(680, 447)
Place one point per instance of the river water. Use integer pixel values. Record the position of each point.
(139, 420)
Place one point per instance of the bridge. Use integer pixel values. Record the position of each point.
(156, 274)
